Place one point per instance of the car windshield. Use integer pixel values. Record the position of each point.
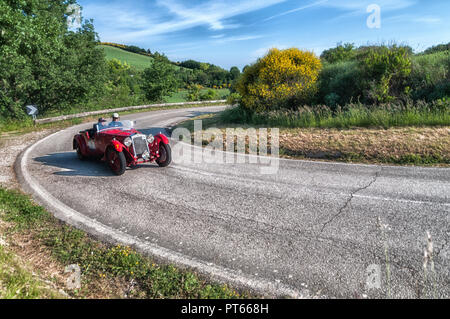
(119, 125)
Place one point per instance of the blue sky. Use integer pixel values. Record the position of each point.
(231, 32)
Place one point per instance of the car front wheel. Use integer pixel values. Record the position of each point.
(116, 161)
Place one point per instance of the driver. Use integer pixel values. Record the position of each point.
(100, 125)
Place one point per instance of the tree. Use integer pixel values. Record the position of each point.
(281, 79)
(44, 63)
(235, 73)
(191, 64)
(438, 48)
(159, 80)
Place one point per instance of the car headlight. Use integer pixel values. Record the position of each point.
(150, 139)
(127, 142)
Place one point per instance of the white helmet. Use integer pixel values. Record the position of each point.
(115, 116)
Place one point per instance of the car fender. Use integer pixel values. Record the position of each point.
(117, 145)
(79, 140)
(161, 137)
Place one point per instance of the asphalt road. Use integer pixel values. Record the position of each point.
(308, 231)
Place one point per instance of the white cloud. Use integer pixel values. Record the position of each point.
(354, 8)
(408, 18)
(428, 20)
(297, 9)
(238, 38)
(118, 16)
(361, 5)
(213, 13)
(120, 21)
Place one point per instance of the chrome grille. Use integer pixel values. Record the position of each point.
(140, 145)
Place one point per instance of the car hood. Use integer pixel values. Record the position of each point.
(117, 132)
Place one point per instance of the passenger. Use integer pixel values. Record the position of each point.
(115, 120)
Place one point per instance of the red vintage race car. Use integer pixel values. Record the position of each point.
(121, 146)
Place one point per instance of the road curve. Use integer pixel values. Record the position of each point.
(308, 231)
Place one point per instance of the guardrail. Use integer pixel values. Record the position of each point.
(120, 109)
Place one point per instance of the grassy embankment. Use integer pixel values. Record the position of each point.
(106, 271)
(141, 62)
(138, 61)
(18, 282)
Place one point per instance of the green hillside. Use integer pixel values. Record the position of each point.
(140, 62)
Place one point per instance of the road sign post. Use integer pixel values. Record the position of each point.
(33, 111)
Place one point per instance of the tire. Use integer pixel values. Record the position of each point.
(80, 155)
(116, 161)
(165, 153)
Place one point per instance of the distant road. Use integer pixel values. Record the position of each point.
(309, 230)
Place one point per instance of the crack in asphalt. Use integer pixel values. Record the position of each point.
(352, 195)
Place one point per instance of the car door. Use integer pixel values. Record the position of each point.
(100, 143)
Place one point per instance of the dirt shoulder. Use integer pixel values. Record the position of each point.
(11, 145)
(422, 146)
(405, 146)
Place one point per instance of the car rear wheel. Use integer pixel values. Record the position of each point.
(116, 161)
(165, 155)
(80, 155)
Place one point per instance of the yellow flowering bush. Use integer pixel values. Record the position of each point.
(281, 79)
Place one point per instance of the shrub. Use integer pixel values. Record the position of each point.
(341, 53)
(339, 83)
(234, 98)
(385, 70)
(210, 94)
(194, 92)
(281, 79)
(386, 115)
(236, 115)
(430, 77)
